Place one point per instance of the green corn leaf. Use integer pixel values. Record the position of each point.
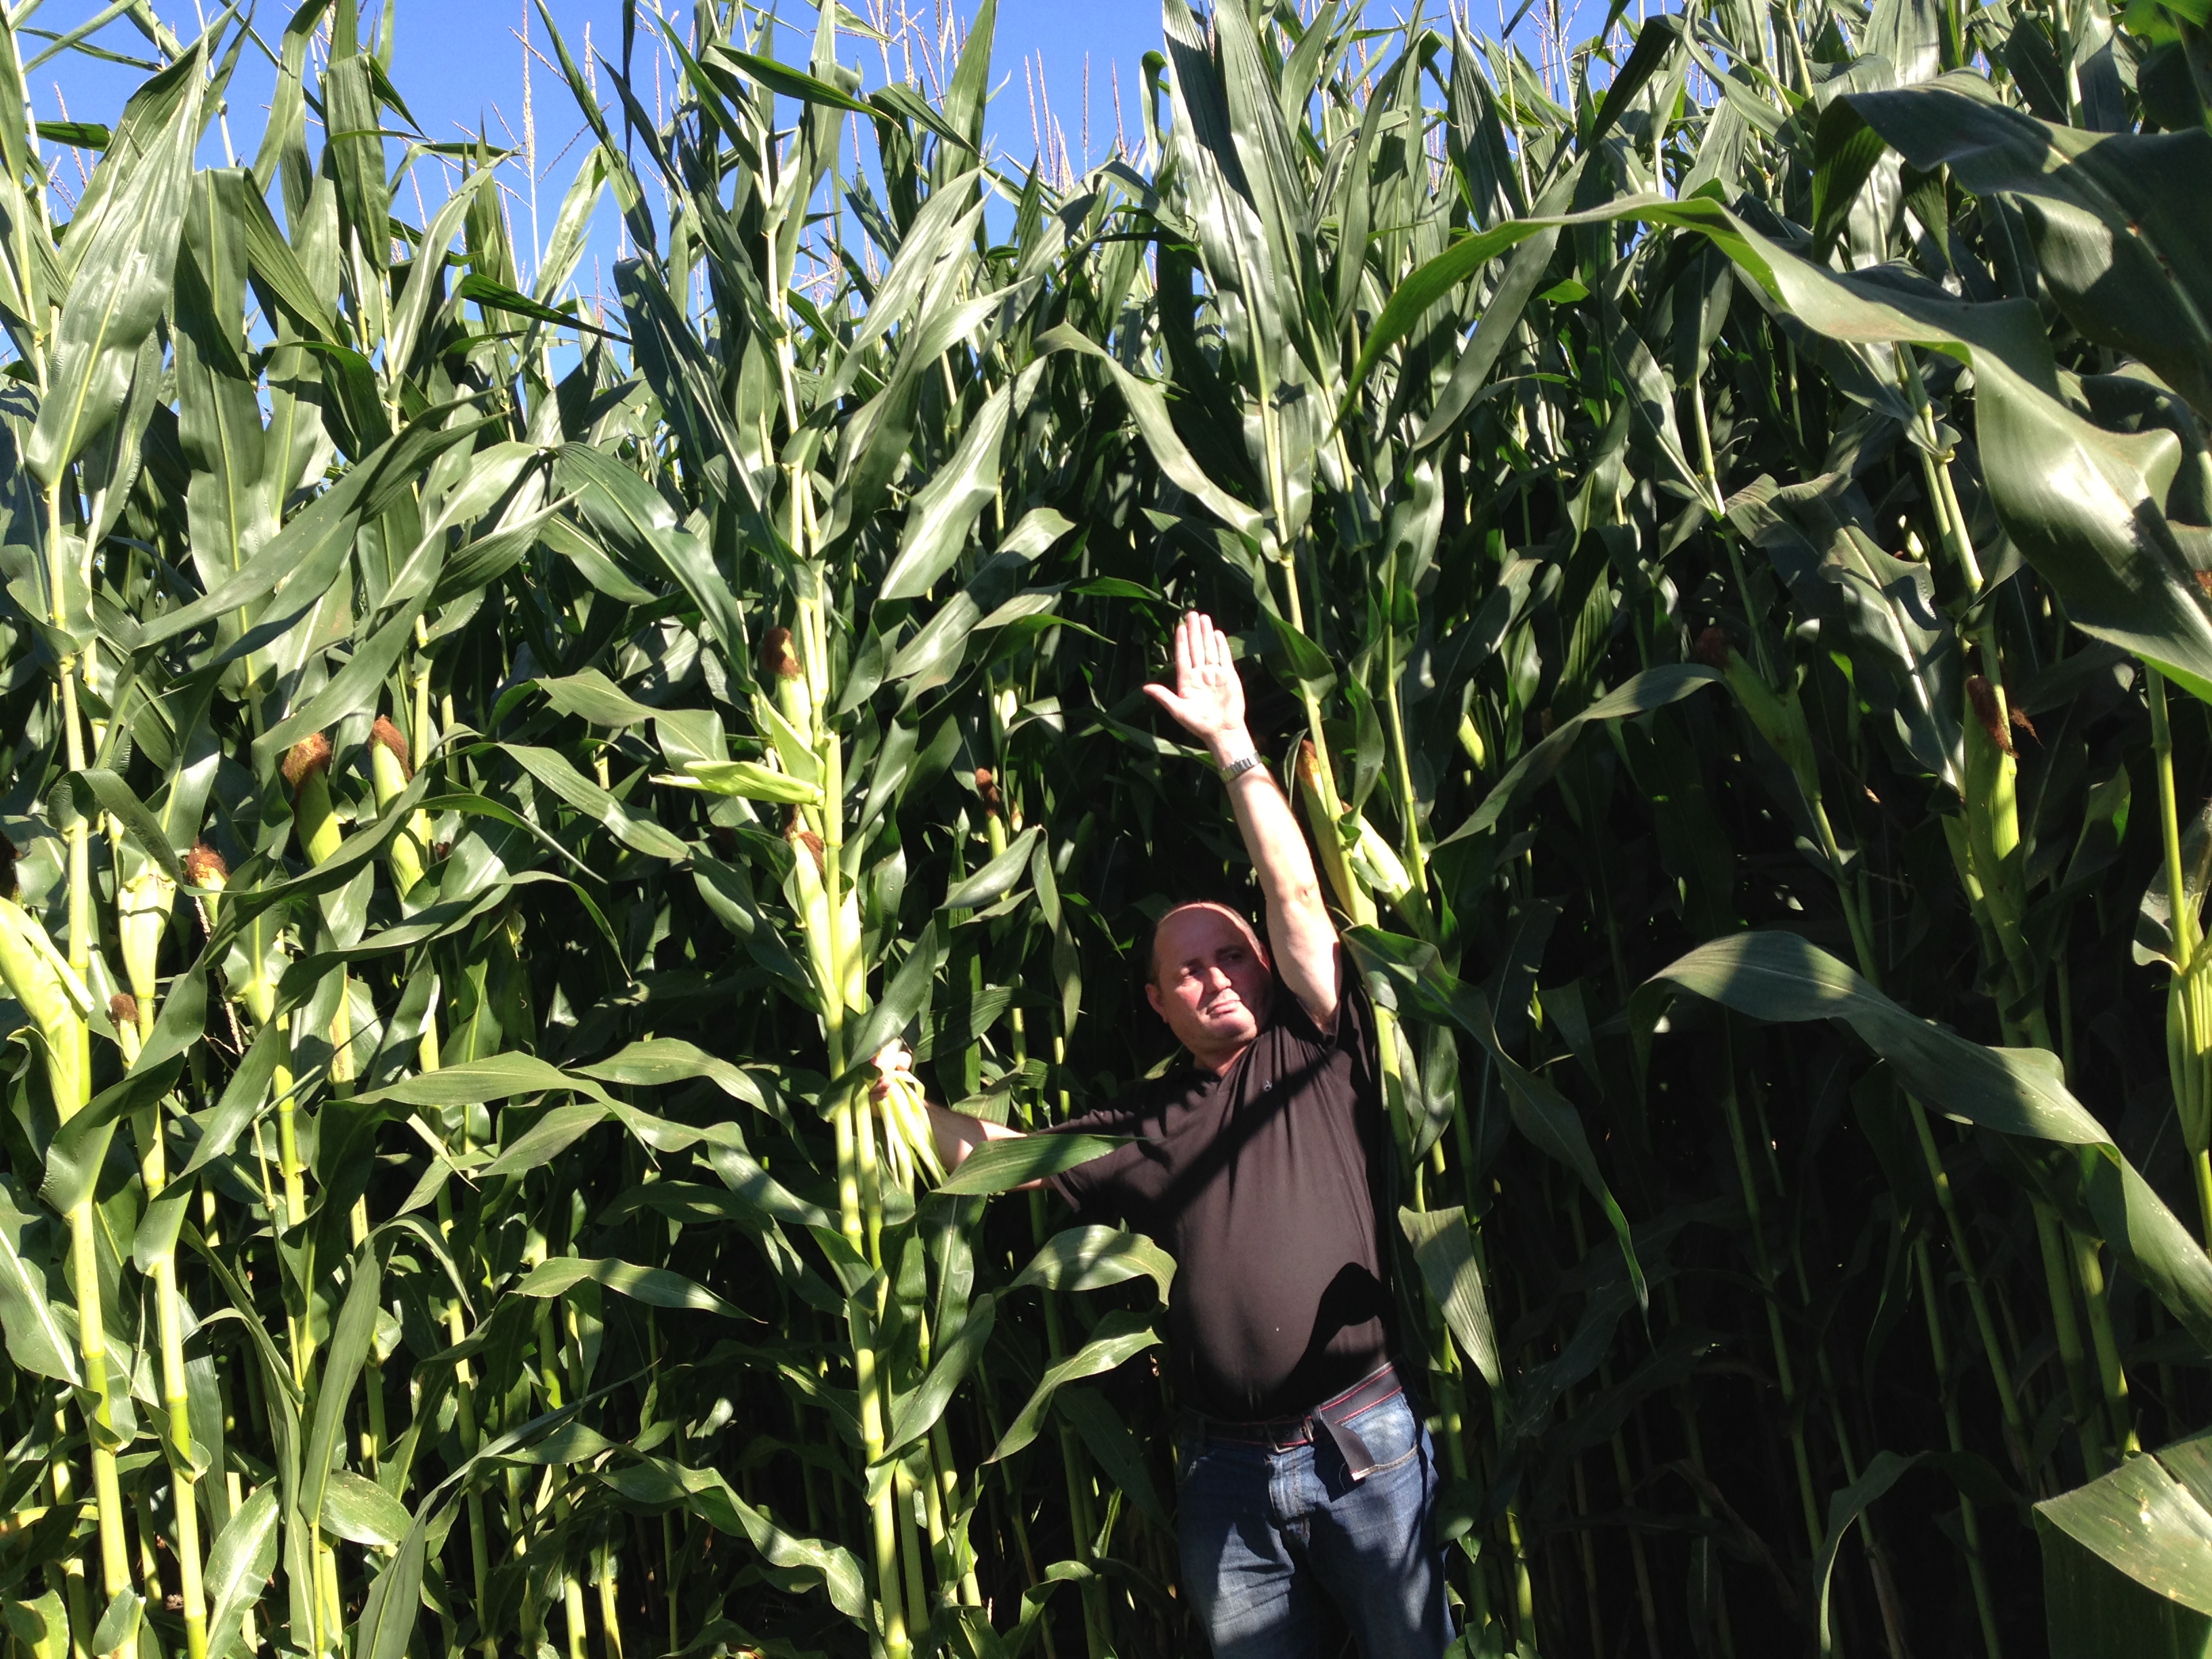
(497, 296)
(2150, 1518)
(496, 1077)
(101, 790)
(1903, 659)
(591, 695)
(2093, 1608)
(628, 513)
(37, 1343)
(906, 996)
(1148, 408)
(995, 880)
(79, 1148)
(120, 286)
(753, 1200)
(1445, 1254)
(277, 268)
(119, 1625)
(362, 1512)
(913, 1414)
(656, 1286)
(1120, 1335)
(946, 221)
(946, 508)
(325, 528)
(353, 688)
(633, 829)
(1107, 1436)
(351, 1334)
(876, 440)
(2116, 219)
(1655, 688)
(41, 1625)
(1656, 41)
(1845, 152)
(543, 1140)
(999, 1165)
(2018, 1091)
(564, 246)
(657, 1062)
(1406, 976)
(790, 82)
(238, 1567)
(1846, 1506)
(1091, 1257)
(656, 1480)
(387, 1626)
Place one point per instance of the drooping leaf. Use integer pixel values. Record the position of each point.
(654, 1285)
(1118, 1336)
(999, 1165)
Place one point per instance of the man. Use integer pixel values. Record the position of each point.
(1307, 1473)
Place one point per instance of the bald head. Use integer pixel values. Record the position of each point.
(1210, 980)
(1174, 931)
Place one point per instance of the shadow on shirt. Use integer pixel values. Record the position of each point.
(1353, 1297)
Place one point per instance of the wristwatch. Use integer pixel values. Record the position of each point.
(1237, 767)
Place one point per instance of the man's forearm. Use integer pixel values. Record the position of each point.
(1298, 915)
(1272, 840)
(956, 1134)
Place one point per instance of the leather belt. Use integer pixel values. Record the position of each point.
(1332, 1418)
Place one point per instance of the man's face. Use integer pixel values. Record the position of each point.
(1209, 980)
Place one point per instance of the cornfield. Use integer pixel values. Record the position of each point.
(1717, 519)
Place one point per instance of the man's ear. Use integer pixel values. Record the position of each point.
(1152, 996)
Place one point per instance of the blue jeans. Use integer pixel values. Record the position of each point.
(1266, 1533)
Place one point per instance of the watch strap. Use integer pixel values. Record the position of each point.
(1237, 767)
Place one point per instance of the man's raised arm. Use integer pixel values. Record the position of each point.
(1207, 700)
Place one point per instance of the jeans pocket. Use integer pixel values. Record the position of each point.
(1390, 1432)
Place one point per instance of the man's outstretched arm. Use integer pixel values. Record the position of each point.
(1207, 700)
(957, 1135)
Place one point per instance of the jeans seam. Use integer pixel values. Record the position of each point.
(1388, 1399)
(1397, 1462)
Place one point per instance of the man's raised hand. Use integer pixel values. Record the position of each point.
(1208, 698)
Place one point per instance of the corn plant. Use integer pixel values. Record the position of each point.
(1715, 521)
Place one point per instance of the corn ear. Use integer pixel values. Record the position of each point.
(141, 917)
(852, 969)
(910, 1143)
(1375, 862)
(50, 992)
(314, 823)
(389, 776)
(1313, 795)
